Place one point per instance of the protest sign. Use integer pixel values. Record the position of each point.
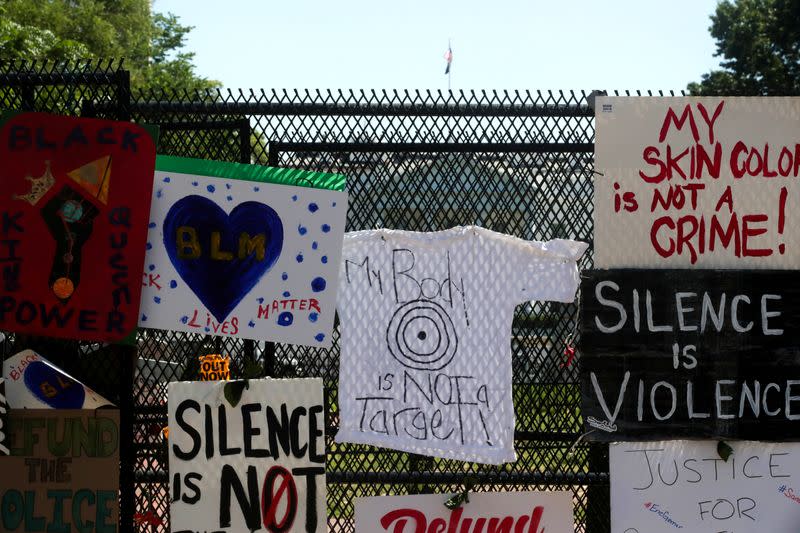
(258, 465)
(234, 251)
(532, 512)
(214, 367)
(703, 182)
(63, 472)
(690, 353)
(3, 419)
(668, 485)
(33, 382)
(76, 196)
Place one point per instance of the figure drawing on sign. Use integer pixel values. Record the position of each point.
(75, 203)
(434, 376)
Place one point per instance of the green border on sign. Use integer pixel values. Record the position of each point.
(241, 171)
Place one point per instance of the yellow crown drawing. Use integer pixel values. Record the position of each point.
(39, 186)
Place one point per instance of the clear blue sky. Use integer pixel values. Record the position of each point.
(497, 44)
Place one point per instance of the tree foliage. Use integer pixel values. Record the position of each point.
(759, 41)
(152, 44)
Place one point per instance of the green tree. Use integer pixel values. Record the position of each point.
(66, 30)
(759, 41)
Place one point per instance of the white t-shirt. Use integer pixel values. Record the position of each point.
(425, 326)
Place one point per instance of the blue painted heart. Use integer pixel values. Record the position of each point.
(222, 257)
(53, 387)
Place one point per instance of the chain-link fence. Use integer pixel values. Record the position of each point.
(514, 162)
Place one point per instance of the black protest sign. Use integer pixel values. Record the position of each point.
(690, 353)
(258, 465)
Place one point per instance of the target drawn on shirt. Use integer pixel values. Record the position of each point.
(422, 336)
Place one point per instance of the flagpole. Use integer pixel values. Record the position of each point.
(449, 57)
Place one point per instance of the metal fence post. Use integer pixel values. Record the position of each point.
(127, 453)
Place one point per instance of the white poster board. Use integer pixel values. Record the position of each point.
(697, 182)
(3, 419)
(259, 466)
(667, 485)
(538, 512)
(245, 259)
(33, 382)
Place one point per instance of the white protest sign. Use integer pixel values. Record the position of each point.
(240, 258)
(33, 382)
(666, 485)
(258, 466)
(3, 419)
(530, 512)
(700, 182)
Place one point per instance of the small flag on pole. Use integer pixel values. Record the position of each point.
(448, 56)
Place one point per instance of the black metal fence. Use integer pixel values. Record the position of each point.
(515, 162)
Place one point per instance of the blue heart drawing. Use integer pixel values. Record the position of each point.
(53, 387)
(221, 282)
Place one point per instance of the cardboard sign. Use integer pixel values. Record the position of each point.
(663, 486)
(533, 512)
(33, 382)
(697, 182)
(3, 419)
(74, 199)
(63, 472)
(690, 353)
(258, 466)
(234, 257)
(215, 367)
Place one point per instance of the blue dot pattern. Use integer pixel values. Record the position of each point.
(320, 337)
(313, 207)
(285, 319)
(211, 188)
(318, 284)
(325, 228)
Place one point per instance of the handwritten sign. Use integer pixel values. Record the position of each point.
(63, 472)
(534, 512)
(423, 316)
(663, 486)
(73, 223)
(258, 466)
(703, 182)
(235, 257)
(33, 382)
(3, 419)
(690, 353)
(215, 367)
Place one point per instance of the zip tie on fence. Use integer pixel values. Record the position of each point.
(571, 451)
